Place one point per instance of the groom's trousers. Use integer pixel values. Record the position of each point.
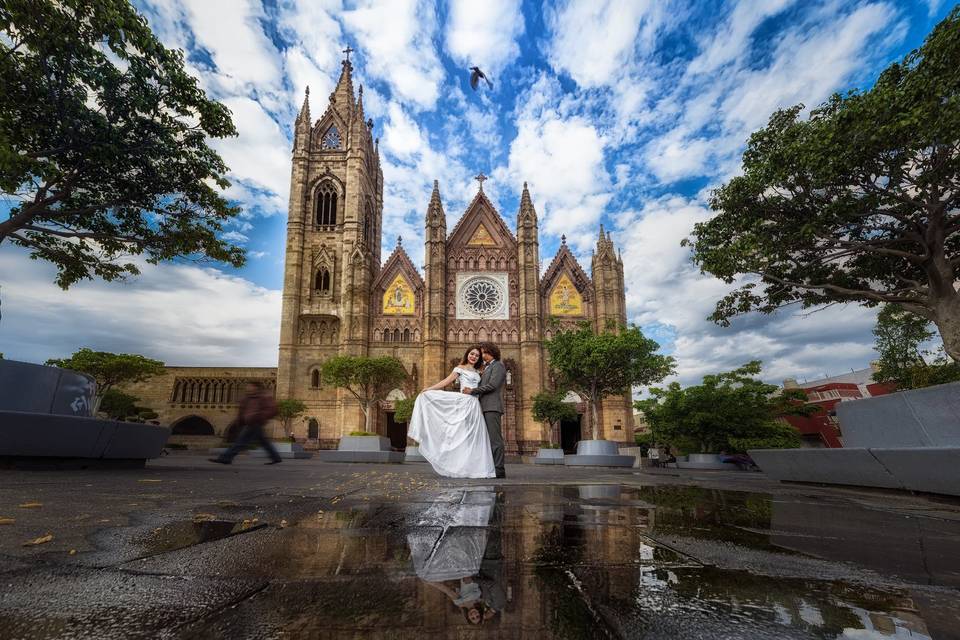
(492, 418)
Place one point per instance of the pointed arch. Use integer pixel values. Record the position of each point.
(315, 379)
(327, 199)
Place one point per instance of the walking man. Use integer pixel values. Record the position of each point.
(256, 408)
(490, 393)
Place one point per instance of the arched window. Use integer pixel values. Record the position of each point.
(406, 335)
(386, 335)
(327, 205)
(315, 379)
(313, 429)
(396, 335)
(323, 280)
(368, 226)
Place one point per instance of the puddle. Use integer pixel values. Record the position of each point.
(186, 533)
(600, 561)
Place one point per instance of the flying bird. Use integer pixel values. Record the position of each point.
(475, 78)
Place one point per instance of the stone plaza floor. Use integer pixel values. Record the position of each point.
(189, 549)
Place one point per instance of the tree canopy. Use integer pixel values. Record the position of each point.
(550, 409)
(900, 337)
(287, 410)
(859, 202)
(103, 142)
(597, 365)
(730, 411)
(367, 379)
(109, 369)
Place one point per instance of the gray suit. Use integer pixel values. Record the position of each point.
(490, 392)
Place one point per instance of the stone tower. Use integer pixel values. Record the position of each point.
(332, 250)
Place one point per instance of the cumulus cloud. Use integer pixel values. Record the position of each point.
(182, 314)
(484, 36)
(398, 47)
(671, 299)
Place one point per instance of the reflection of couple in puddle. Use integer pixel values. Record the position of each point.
(456, 549)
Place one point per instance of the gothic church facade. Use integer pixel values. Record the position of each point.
(480, 282)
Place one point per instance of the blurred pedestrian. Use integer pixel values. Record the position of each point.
(256, 408)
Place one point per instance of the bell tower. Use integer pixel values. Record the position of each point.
(332, 250)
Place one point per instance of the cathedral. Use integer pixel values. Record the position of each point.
(480, 282)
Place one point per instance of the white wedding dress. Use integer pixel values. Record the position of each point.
(451, 432)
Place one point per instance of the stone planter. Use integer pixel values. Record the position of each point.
(412, 454)
(287, 451)
(598, 453)
(372, 448)
(548, 456)
(707, 461)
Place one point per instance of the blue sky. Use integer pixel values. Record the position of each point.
(621, 113)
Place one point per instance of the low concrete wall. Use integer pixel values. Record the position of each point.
(930, 469)
(830, 466)
(927, 469)
(36, 388)
(927, 417)
(43, 435)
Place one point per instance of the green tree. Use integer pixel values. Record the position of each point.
(899, 339)
(731, 411)
(550, 409)
(287, 410)
(103, 142)
(109, 369)
(118, 405)
(367, 379)
(403, 409)
(597, 365)
(860, 202)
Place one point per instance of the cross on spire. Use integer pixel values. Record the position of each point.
(348, 51)
(480, 178)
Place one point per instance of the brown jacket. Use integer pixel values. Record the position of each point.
(257, 408)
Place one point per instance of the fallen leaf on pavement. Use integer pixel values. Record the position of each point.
(149, 480)
(73, 552)
(31, 505)
(283, 524)
(41, 540)
(203, 517)
(7, 520)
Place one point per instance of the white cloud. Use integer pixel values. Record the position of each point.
(261, 154)
(397, 42)
(667, 294)
(561, 156)
(181, 314)
(484, 35)
(594, 42)
(234, 236)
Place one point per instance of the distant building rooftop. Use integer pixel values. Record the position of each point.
(860, 376)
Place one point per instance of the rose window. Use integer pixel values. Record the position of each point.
(483, 296)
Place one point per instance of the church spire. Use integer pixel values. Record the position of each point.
(435, 215)
(342, 95)
(527, 210)
(304, 115)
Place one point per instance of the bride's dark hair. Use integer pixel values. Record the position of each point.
(479, 364)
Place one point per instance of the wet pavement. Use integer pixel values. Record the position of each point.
(316, 550)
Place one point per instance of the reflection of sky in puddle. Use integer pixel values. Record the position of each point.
(562, 562)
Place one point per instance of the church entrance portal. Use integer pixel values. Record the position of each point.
(397, 432)
(570, 434)
(192, 426)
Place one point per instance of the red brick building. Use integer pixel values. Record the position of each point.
(822, 429)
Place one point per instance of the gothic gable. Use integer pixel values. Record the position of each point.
(481, 226)
(397, 271)
(565, 265)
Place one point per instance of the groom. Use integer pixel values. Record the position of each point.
(490, 393)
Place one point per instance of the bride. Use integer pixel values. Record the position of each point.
(450, 426)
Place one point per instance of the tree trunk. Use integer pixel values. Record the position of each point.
(947, 319)
(367, 416)
(594, 419)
